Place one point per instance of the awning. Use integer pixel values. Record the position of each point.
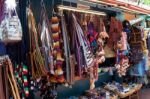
(122, 5)
(134, 21)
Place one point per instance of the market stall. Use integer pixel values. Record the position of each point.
(76, 49)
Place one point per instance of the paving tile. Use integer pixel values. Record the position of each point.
(145, 94)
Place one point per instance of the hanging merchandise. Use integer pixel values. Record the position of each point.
(122, 65)
(88, 57)
(103, 34)
(36, 58)
(10, 27)
(141, 63)
(85, 58)
(94, 31)
(8, 80)
(76, 49)
(136, 45)
(144, 43)
(122, 62)
(57, 51)
(69, 59)
(118, 43)
(46, 40)
(114, 32)
(102, 37)
(127, 29)
(3, 82)
(92, 34)
(145, 49)
(21, 75)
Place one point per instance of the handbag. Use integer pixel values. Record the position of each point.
(10, 27)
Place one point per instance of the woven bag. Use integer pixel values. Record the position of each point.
(10, 27)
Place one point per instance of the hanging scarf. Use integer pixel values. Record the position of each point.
(88, 64)
(21, 74)
(114, 32)
(92, 35)
(57, 50)
(69, 59)
(46, 40)
(83, 42)
(36, 59)
(122, 63)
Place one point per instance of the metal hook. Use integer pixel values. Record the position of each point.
(28, 2)
(53, 3)
(62, 1)
(70, 3)
(53, 11)
(42, 3)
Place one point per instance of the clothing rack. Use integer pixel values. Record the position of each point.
(69, 8)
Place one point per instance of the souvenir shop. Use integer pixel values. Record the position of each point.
(73, 49)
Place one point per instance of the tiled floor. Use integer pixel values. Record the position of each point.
(145, 94)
